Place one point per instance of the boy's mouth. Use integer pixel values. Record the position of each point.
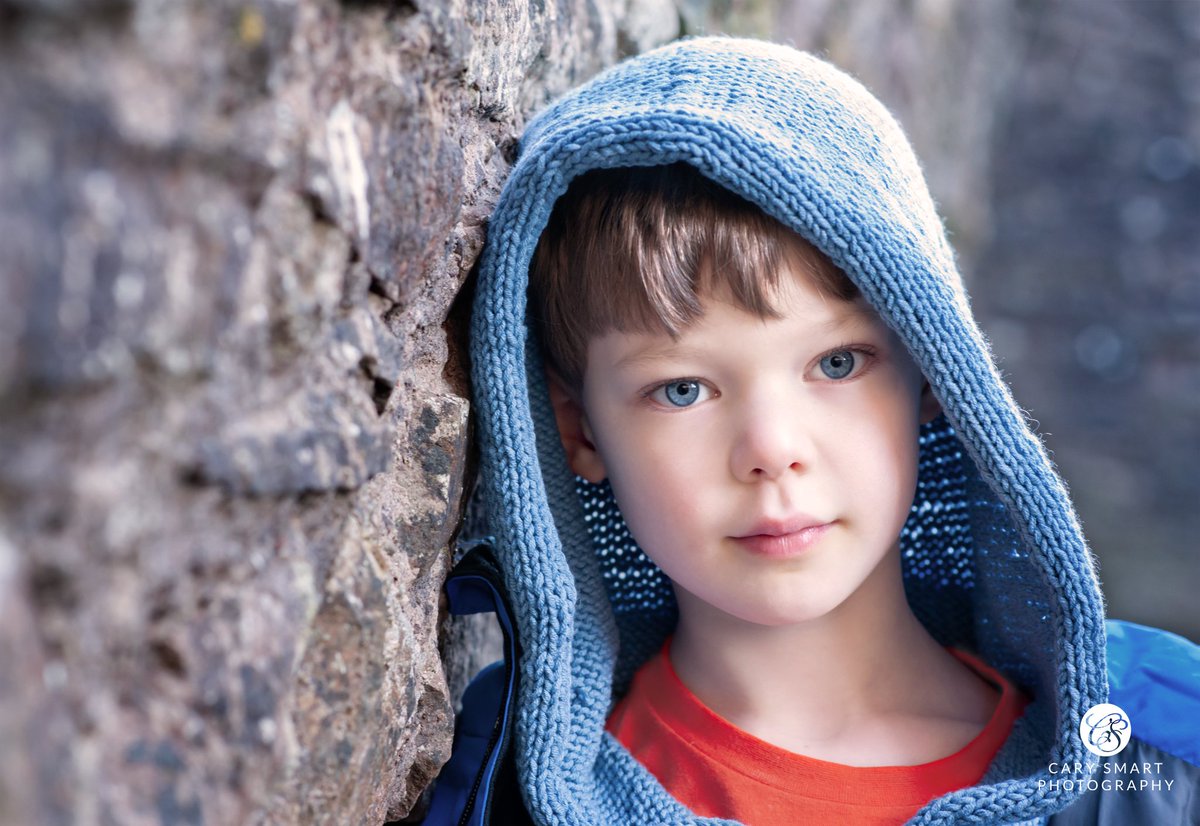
(783, 545)
(782, 527)
(781, 538)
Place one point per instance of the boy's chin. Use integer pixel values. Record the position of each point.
(772, 615)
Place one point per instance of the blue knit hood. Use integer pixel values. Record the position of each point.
(994, 559)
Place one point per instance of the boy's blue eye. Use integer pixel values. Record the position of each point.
(682, 393)
(838, 365)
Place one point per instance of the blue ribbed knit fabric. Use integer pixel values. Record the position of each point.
(993, 555)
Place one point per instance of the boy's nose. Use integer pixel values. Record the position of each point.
(769, 445)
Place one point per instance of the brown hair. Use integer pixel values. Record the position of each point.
(633, 249)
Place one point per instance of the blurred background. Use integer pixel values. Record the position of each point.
(237, 239)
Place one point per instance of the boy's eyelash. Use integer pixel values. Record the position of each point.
(649, 391)
(851, 347)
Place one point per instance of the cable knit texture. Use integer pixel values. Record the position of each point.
(993, 555)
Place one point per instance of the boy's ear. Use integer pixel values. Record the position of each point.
(574, 430)
(930, 406)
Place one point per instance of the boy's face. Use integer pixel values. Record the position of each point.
(750, 426)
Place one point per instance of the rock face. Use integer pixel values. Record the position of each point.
(233, 395)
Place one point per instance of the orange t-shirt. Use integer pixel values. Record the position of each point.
(718, 770)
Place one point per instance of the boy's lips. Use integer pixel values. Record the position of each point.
(783, 538)
(782, 527)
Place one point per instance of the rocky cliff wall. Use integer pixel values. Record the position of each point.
(233, 414)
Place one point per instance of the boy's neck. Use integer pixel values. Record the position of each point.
(822, 686)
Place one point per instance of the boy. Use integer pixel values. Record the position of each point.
(765, 459)
(778, 544)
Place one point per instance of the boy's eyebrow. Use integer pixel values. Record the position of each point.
(657, 354)
(857, 312)
(867, 317)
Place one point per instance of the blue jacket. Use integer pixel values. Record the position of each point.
(994, 557)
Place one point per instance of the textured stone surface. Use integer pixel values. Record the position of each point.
(233, 415)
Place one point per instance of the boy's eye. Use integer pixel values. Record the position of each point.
(678, 393)
(839, 364)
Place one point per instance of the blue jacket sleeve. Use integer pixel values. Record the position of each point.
(1154, 677)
